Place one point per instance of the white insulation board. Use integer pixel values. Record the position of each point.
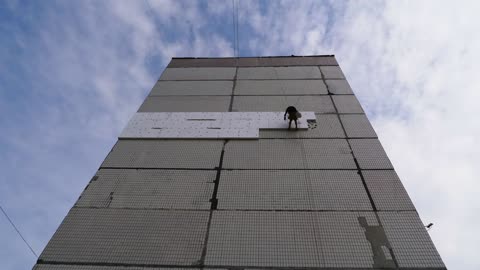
(208, 125)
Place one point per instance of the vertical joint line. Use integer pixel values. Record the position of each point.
(230, 107)
(213, 207)
(201, 262)
(214, 199)
(359, 171)
(364, 183)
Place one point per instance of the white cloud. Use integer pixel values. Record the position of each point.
(81, 71)
(413, 66)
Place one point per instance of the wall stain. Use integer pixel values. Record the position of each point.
(382, 257)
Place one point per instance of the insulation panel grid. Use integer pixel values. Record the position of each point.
(332, 72)
(357, 126)
(262, 239)
(289, 239)
(278, 73)
(179, 88)
(317, 104)
(292, 190)
(344, 243)
(192, 74)
(370, 154)
(347, 104)
(325, 126)
(280, 87)
(339, 87)
(387, 190)
(173, 189)
(185, 104)
(125, 236)
(411, 243)
(288, 154)
(164, 154)
(98, 267)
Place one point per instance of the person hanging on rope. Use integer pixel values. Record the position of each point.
(293, 115)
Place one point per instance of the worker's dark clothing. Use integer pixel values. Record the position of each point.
(292, 115)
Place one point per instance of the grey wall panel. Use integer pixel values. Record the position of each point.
(129, 236)
(286, 61)
(317, 104)
(96, 267)
(292, 190)
(387, 190)
(275, 73)
(280, 87)
(185, 104)
(163, 88)
(192, 74)
(347, 104)
(254, 61)
(411, 243)
(357, 125)
(289, 239)
(288, 154)
(325, 126)
(164, 154)
(173, 189)
(370, 154)
(332, 72)
(300, 61)
(339, 87)
(202, 62)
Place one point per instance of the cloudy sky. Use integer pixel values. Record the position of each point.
(72, 73)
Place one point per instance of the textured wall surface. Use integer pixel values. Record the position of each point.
(326, 197)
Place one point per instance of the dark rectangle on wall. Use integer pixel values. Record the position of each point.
(323, 60)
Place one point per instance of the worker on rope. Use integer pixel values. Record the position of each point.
(293, 114)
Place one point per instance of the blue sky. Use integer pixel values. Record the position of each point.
(72, 73)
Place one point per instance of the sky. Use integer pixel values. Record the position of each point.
(72, 73)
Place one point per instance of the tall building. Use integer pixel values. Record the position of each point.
(207, 175)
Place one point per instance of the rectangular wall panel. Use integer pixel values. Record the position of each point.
(197, 88)
(347, 104)
(288, 154)
(185, 104)
(292, 190)
(280, 87)
(287, 61)
(332, 72)
(370, 154)
(125, 236)
(127, 188)
(278, 73)
(317, 104)
(200, 73)
(180, 154)
(357, 126)
(289, 239)
(97, 267)
(339, 87)
(317, 60)
(411, 243)
(387, 190)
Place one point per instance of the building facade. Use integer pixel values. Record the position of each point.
(207, 175)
